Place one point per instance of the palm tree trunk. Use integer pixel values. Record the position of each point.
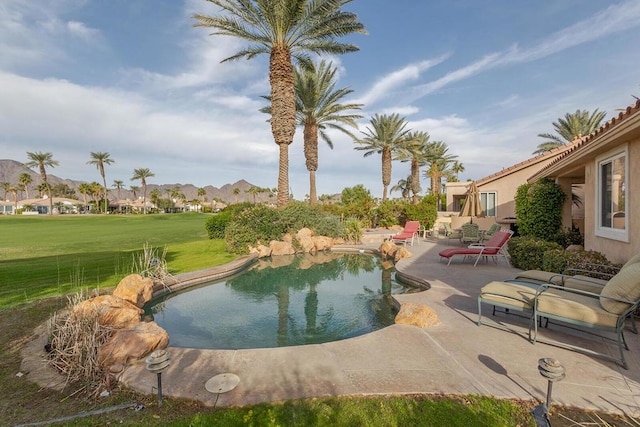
(43, 175)
(415, 180)
(311, 156)
(283, 114)
(386, 171)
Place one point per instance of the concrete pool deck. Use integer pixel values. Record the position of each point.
(455, 357)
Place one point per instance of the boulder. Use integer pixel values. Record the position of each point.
(337, 241)
(417, 315)
(111, 310)
(136, 289)
(322, 243)
(287, 238)
(402, 252)
(281, 248)
(136, 342)
(262, 251)
(388, 249)
(304, 232)
(306, 243)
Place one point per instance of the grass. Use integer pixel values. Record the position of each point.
(42, 256)
(45, 256)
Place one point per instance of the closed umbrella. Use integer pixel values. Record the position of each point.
(472, 206)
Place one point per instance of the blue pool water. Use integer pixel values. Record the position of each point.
(314, 299)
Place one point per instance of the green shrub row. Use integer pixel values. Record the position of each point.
(527, 252)
(539, 209)
(590, 263)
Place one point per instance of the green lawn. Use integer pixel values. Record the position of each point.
(43, 256)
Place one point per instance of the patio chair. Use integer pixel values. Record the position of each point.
(470, 234)
(410, 232)
(495, 247)
(451, 234)
(603, 312)
(487, 234)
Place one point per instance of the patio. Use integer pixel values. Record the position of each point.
(455, 357)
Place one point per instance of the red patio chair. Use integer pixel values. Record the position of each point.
(493, 247)
(411, 229)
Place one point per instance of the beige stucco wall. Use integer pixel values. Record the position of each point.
(615, 250)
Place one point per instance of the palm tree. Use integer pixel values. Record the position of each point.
(118, 185)
(236, 191)
(286, 30)
(142, 174)
(318, 107)
(570, 127)
(84, 189)
(386, 134)
(100, 159)
(404, 187)
(25, 179)
(456, 168)
(5, 187)
(134, 189)
(41, 161)
(415, 151)
(438, 166)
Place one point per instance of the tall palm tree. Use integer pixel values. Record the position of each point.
(100, 159)
(142, 174)
(5, 185)
(571, 126)
(415, 151)
(84, 189)
(318, 107)
(25, 179)
(118, 185)
(286, 30)
(41, 161)
(134, 189)
(386, 134)
(456, 168)
(438, 165)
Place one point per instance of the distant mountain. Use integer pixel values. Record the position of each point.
(10, 171)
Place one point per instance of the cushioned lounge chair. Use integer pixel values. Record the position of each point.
(495, 247)
(606, 311)
(410, 232)
(470, 234)
(487, 234)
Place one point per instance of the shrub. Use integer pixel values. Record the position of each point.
(388, 213)
(357, 202)
(568, 237)
(257, 224)
(539, 209)
(526, 252)
(558, 261)
(425, 212)
(216, 224)
(353, 231)
(297, 215)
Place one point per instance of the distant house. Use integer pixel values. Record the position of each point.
(607, 162)
(41, 206)
(6, 208)
(498, 190)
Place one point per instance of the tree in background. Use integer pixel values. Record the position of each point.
(386, 134)
(5, 188)
(572, 126)
(42, 161)
(284, 30)
(415, 151)
(438, 165)
(100, 159)
(118, 185)
(456, 168)
(404, 187)
(142, 174)
(134, 189)
(318, 108)
(25, 179)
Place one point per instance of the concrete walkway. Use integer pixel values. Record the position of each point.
(456, 357)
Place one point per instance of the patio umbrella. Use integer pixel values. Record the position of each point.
(472, 206)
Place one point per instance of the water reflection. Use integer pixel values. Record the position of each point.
(288, 301)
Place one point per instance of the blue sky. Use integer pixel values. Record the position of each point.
(135, 79)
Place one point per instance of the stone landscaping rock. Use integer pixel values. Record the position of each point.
(135, 289)
(262, 251)
(388, 249)
(322, 243)
(112, 311)
(402, 252)
(417, 315)
(134, 342)
(281, 248)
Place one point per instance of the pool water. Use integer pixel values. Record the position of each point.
(312, 299)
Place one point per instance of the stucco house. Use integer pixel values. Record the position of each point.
(607, 163)
(498, 190)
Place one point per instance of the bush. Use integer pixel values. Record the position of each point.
(297, 215)
(425, 212)
(257, 224)
(526, 252)
(558, 261)
(388, 213)
(539, 209)
(353, 231)
(568, 237)
(217, 224)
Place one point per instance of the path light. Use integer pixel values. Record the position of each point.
(553, 371)
(157, 362)
(221, 384)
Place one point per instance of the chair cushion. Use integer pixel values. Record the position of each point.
(633, 260)
(571, 306)
(539, 276)
(624, 285)
(585, 283)
(512, 294)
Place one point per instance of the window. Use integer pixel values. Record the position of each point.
(488, 202)
(611, 195)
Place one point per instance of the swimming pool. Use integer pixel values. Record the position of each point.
(310, 299)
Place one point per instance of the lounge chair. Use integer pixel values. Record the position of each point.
(606, 311)
(410, 232)
(496, 246)
(488, 233)
(451, 234)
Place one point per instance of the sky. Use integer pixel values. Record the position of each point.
(135, 79)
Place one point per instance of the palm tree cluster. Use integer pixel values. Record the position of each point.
(570, 127)
(388, 135)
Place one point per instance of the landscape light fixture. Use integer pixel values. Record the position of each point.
(157, 362)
